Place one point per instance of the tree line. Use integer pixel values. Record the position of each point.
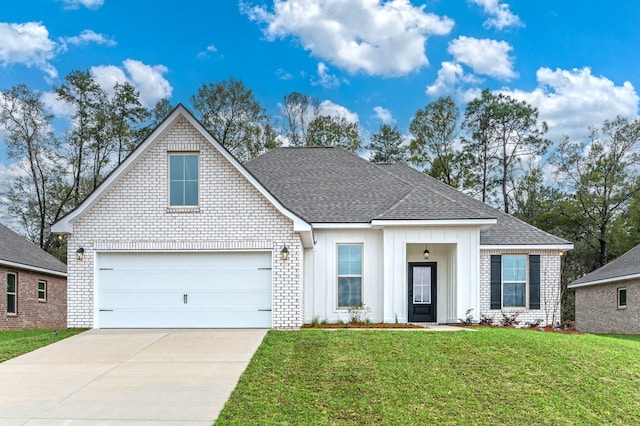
(586, 191)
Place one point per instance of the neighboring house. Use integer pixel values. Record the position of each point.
(34, 285)
(607, 299)
(183, 235)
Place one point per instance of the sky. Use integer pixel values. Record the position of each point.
(371, 61)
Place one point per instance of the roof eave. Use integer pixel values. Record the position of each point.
(561, 246)
(605, 280)
(482, 223)
(32, 268)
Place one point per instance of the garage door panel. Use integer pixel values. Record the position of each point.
(184, 290)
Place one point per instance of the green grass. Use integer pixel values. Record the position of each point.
(490, 376)
(18, 342)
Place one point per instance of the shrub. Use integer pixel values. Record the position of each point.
(486, 320)
(468, 320)
(510, 320)
(359, 314)
(534, 324)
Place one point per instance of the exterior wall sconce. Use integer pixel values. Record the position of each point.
(284, 253)
(425, 253)
(80, 253)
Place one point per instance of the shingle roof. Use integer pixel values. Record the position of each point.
(332, 185)
(15, 249)
(625, 265)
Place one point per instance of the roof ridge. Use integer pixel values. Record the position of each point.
(397, 203)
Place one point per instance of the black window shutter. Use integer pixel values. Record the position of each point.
(534, 281)
(496, 281)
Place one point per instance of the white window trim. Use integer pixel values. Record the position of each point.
(338, 276)
(526, 283)
(45, 290)
(189, 208)
(618, 298)
(14, 293)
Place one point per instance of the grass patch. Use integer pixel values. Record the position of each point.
(18, 342)
(490, 376)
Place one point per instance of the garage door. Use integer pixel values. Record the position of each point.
(184, 290)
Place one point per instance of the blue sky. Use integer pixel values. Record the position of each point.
(370, 61)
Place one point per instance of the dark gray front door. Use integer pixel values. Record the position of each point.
(422, 291)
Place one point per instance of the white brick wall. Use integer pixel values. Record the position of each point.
(549, 288)
(232, 215)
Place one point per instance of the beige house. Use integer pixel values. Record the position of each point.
(607, 298)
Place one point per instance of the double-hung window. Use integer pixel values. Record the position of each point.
(183, 180)
(349, 275)
(514, 281)
(622, 298)
(12, 293)
(42, 291)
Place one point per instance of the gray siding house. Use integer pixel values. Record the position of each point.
(607, 298)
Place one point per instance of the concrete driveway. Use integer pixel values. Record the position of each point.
(132, 377)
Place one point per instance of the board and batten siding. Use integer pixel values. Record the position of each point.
(549, 288)
(321, 274)
(462, 266)
(232, 215)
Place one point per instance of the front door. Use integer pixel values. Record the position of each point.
(422, 291)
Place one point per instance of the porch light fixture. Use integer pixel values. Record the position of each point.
(425, 253)
(80, 253)
(284, 253)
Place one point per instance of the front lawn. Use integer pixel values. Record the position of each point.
(490, 376)
(18, 342)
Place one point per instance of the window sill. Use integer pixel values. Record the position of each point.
(622, 308)
(173, 210)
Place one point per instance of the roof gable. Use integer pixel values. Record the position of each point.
(65, 225)
(18, 252)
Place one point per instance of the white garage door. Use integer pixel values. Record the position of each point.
(184, 290)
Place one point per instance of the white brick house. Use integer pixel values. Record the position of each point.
(182, 235)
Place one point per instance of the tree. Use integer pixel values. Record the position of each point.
(233, 116)
(478, 118)
(31, 142)
(154, 117)
(299, 111)
(127, 112)
(503, 131)
(602, 178)
(433, 146)
(326, 130)
(88, 100)
(386, 146)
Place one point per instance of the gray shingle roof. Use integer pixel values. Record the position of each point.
(332, 185)
(625, 265)
(15, 249)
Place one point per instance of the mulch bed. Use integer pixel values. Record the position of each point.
(361, 325)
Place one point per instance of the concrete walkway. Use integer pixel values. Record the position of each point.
(132, 377)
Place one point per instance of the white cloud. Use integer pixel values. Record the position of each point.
(58, 107)
(500, 15)
(572, 100)
(147, 79)
(370, 36)
(383, 115)
(325, 78)
(282, 74)
(329, 108)
(210, 49)
(448, 76)
(27, 44)
(89, 36)
(484, 56)
(89, 4)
